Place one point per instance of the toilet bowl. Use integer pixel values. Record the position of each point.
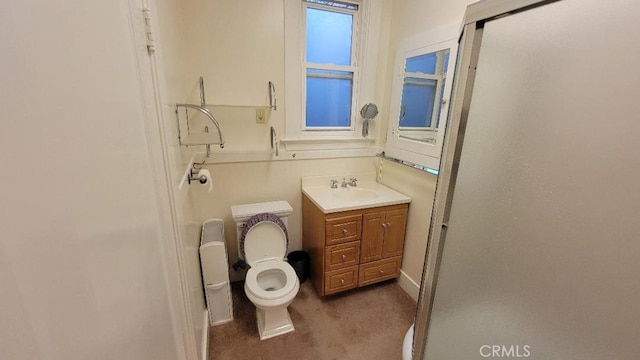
(271, 283)
(271, 286)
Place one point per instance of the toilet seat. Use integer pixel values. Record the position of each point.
(251, 280)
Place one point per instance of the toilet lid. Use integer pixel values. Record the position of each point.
(264, 237)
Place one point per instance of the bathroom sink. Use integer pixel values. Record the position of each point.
(354, 194)
(367, 194)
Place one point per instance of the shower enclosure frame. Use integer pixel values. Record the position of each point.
(470, 42)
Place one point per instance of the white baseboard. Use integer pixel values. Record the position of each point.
(409, 286)
(204, 352)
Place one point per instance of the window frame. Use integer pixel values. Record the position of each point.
(439, 77)
(296, 136)
(351, 68)
(423, 153)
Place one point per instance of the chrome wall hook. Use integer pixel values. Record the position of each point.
(197, 166)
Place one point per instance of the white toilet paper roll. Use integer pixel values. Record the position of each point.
(204, 177)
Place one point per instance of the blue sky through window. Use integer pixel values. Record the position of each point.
(329, 92)
(425, 64)
(328, 99)
(329, 37)
(418, 102)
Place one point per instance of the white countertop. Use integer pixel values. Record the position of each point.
(366, 194)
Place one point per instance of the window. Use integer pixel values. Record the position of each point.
(423, 79)
(420, 92)
(329, 64)
(331, 54)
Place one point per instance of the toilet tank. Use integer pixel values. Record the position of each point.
(242, 213)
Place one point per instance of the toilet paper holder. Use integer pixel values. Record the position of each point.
(193, 174)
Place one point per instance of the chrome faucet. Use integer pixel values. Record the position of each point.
(353, 182)
(334, 183)
(344, 183)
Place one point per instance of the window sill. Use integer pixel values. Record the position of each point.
(299, 149)
(288, 155)
(301, 144)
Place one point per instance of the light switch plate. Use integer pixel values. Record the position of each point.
(260, 116)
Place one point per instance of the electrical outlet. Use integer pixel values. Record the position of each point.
(260, 116)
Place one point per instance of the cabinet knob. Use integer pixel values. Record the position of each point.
(384, 225)
(345, 231)
(381, 272)
(341, 281)
(344, 257)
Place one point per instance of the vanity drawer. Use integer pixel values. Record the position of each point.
(376, 271)
(343, 229)
(340, 280)
(342, 255)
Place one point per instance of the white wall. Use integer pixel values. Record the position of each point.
(420, 15)
(238, 49)
(82, 262)
(420, 186)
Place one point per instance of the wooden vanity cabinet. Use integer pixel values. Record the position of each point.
(353, 248)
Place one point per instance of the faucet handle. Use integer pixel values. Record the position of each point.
(354, 182)
(334, 183)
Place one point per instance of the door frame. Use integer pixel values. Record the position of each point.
(152, 92)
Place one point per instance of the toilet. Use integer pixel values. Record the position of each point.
(271, 283)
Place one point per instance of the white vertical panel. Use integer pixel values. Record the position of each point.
(542, 247)
(82, 263)
(171, 57)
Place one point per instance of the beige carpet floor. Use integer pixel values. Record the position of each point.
(367, 323)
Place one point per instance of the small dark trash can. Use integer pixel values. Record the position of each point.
(299, 261)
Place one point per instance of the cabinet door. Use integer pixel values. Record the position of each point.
(373, 233)
(394, 228)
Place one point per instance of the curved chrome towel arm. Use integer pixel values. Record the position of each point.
(209, 114)
(274, 140)
(273, 99)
